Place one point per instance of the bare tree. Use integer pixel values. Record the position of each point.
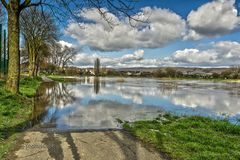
(67, 56)
(59, 8)
(61, 56)
(40, 32)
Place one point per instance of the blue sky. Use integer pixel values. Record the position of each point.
(181, 7)
(178, 31)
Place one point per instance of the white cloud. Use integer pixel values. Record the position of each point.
(137, 55)
(223, 53)
(228, 51)
(192, 35)
(215, 18)
(164, 26)
(195, 56)
(65, 44)
(84, 59)
(212, 19)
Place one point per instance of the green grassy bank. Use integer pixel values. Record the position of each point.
(189, 137)
(59, 78)
(15, 111)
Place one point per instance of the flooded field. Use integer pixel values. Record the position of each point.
(97, 103)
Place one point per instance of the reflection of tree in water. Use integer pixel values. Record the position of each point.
(96, 85)
(51, 94)
(40, 100)
(168, 88)
(233, 89)
(61, 96)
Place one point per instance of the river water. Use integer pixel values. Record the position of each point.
(97, 103)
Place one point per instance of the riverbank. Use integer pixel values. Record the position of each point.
(15, 111)
(189, 137)
(60, 78)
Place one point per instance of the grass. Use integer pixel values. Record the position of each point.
(15, 111)
(59, 78)
(231, 80)
(189, 137)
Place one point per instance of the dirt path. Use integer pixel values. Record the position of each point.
(104, 145)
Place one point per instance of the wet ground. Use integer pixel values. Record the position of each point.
(95, 145)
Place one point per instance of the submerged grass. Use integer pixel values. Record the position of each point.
(190, 137)
(15, 111)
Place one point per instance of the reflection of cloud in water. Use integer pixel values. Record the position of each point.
(100, 115)
(132, 98)
(193, 100)
(217, 97)
(218, 102)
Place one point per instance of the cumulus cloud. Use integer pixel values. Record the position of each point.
(163, 27)
(227, 50)
(137, 55)
(223, 53)
(84, 59)
(217, 54)
(195, 56)
(65, 44)
(212, 19)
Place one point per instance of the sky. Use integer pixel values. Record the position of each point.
(178, 33)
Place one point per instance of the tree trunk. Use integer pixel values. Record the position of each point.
(14, 53)
(31, 59)
(37, 68)
(35, 63)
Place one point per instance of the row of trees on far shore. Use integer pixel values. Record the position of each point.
(228, 73)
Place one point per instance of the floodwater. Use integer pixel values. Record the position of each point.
(97, 103)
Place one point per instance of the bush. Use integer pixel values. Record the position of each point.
(170, 72)
(160, 73)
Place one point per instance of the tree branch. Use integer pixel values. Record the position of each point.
(5, 4)
(27, 3)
